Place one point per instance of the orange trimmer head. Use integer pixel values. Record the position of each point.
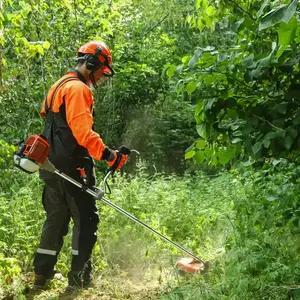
(191, 265)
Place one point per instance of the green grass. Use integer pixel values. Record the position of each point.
(231, 220)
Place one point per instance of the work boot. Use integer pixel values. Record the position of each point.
(79, 281)
(41, 280)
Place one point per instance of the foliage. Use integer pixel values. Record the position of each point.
(224, 74)
(243, 80)
(261, 258)
(146, 197)
(41, 39)
(6, 163)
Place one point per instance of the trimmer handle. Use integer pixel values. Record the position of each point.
(124, 150)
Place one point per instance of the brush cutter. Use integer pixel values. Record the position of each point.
(33, 155)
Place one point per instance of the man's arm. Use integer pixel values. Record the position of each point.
(78, 103)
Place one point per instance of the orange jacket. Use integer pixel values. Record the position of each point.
(79, 101)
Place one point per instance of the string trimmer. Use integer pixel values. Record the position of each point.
(33, 155)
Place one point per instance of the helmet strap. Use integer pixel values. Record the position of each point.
(92, 79)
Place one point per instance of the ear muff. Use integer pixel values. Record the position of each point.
(92, 61)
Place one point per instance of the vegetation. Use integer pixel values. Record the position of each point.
(207, 91)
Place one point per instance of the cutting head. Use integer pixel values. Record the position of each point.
(191, 265)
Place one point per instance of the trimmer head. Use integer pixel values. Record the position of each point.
(191, 265)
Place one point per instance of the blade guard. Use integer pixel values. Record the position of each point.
(190, 265)
(32, 154)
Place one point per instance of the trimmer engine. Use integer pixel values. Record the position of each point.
(32, 154)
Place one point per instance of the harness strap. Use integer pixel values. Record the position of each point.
(47, 108)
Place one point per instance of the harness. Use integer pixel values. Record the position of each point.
(65, 153)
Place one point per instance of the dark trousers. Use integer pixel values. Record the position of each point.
(63, 201)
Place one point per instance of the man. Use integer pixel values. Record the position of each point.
(68, 110)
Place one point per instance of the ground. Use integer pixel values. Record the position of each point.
(134, 284)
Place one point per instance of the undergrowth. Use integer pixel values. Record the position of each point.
(246, 223)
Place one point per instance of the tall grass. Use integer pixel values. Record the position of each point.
(191, 210)
(246, 224)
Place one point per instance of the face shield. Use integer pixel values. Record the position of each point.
(100, 76)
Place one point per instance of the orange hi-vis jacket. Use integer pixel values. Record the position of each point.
(78, 100)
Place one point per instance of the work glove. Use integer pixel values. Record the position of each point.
(114, 158)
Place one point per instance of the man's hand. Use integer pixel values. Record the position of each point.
(114, 159)
(119, 160)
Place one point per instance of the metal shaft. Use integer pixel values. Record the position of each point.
(130, 216)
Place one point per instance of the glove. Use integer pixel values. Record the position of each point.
(119, 160)
(114, 159)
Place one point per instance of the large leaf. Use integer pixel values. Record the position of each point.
(226, 155)
(189, 154)
(288, 142)
(202, 130)
(287, 32)
(274, 16)
(290, 11)
(191, 87)
(256, 147)
(199, 156)
(200, 144)
(261, 10)
(195, 58)
(171, 70)
(281, 13)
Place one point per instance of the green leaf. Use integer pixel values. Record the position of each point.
(200, 24)
(290, 11)
(235, 26)
(189, 154)
(199, 156)
(179, 69)
(296, 120)
(261, 10)
(195, 58)
(204, 3)
(226, 155)
(200, 144)
(288, 142)
(46, 45)
(274, 16)
(266, 143)
(287, 32)
(281, 50)
(191, 87)
(199, 107)
(236, 140)
(210, 10)
(209, 104)
(256, 147)
(292, 132)
(271, 197)
(202, 130)
(281, 108)
(171, 70)
(249, 61)
(40, 49)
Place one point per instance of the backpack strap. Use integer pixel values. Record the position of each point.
(61, 83)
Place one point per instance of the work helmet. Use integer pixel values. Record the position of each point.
(97, 55)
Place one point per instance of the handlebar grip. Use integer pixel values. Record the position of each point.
(124, 150)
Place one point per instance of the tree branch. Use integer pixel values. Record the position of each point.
(241, 9)
(153, 27)
(266, 121)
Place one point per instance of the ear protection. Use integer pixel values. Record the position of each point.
(92, 60)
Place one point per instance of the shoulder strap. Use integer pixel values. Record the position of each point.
(47, 108)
